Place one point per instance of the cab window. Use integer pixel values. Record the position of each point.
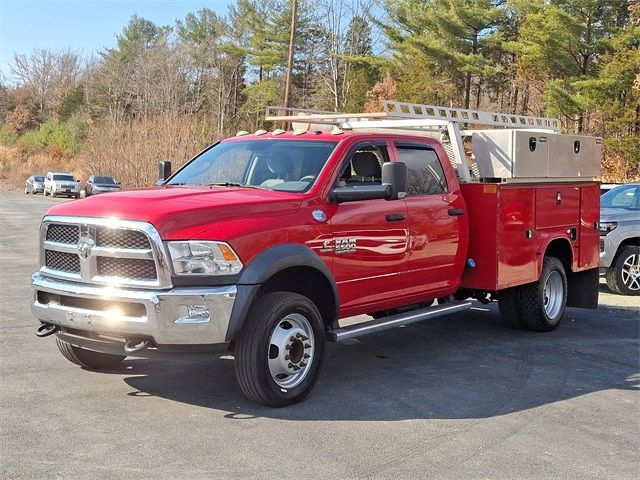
(426, 176)
(364, 166)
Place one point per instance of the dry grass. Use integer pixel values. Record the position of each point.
(16, 165)
(130, 151)
(616, 169)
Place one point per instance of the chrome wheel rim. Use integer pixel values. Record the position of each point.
(291, 348)
(631, 272)
(553, 295)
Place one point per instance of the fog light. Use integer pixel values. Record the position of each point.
(194, 314)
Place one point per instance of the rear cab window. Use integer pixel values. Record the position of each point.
(426, 176)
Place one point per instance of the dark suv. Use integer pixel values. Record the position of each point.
(98, 184)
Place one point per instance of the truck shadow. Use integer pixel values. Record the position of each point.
(461, 367)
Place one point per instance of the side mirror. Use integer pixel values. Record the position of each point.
(360, 192)
(164, 172)
(396, 176)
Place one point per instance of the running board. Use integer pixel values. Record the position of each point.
(393, 321)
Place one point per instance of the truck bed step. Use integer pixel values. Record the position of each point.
(393, 321)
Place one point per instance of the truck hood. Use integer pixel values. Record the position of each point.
(618, 214)
(179, 213)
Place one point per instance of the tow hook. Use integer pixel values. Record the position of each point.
(135, 345)
(46, 329)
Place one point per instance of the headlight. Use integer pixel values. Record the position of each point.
(196, 257)
(607, 227)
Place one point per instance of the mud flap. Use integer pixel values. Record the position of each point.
(583, 289)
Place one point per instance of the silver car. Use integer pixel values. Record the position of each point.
(620, 238)
(34, 184)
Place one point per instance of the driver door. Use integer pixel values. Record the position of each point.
(370, 238)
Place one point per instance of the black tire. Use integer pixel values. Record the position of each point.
(45, 192)
(618, 272)
(26, 191)
(509, 306)
(543, 312)
(253, 349)
(87, 358)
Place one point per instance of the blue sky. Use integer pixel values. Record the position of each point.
(82, 25)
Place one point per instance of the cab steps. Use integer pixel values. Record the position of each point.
(394, 321)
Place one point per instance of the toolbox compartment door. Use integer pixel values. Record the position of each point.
(557, 205)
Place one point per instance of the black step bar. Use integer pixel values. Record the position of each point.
(394, 321)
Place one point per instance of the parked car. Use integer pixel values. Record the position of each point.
(34, 184)
(61, 183)
(620, 238)
(99, 184)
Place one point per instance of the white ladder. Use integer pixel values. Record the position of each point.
(417, 117)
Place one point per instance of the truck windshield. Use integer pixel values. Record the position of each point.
(625, 196)
(284, 165)
(64, 178)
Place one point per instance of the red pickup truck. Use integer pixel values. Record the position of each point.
(262, 243)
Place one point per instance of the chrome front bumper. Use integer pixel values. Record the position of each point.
(180, 316)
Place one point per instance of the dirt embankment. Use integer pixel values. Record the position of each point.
(16, 165)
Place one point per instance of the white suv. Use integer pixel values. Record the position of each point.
(61, 183)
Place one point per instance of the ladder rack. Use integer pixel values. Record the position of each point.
(419, 118)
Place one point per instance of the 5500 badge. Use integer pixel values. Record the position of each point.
(340, 245)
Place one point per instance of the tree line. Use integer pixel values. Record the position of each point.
(165, 91)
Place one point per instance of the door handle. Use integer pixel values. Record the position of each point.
(395, 217)
(456, 211)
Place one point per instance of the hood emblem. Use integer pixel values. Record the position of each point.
(85, 245)
(319, 215)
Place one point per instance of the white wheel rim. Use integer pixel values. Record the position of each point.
(631, 272)
(290, 352)
(553, 295)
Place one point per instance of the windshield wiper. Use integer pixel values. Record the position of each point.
(231, 184)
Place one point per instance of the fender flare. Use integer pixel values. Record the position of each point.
(262, 268)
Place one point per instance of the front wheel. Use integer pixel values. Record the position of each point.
(280, 349)
(542, 303)
(623, 276)
(88, 358)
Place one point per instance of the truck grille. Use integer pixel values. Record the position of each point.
(129, 268)
(101, 251)
(112, 238)
(64, 262)
(63, 233)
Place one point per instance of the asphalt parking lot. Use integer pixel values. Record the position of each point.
(457, 397)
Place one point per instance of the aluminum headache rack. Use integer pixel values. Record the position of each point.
(514, 148)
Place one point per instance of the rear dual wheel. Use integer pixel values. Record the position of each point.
(540, 305)
(280, 349)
